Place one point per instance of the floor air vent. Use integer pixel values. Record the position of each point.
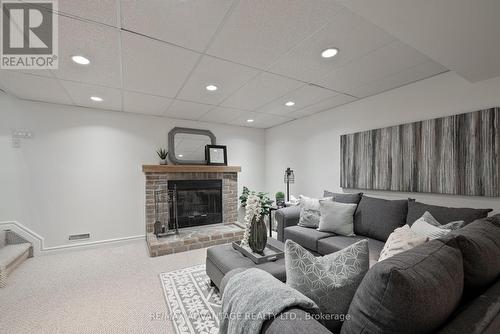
(79, 236)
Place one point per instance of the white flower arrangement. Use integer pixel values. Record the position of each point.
(253, 209)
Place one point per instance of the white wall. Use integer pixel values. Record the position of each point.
(311, 146)
(82, 170)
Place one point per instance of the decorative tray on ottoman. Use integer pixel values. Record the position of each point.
(271, 253)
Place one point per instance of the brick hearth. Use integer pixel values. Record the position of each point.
(200, 236)
(194, 238)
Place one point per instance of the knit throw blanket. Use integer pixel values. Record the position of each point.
(254, 296)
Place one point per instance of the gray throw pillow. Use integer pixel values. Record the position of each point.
(343, 197)
(449, 226)
(336, 217)
(429, 227)
(330, 281)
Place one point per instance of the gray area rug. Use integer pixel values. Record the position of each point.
(194, 305)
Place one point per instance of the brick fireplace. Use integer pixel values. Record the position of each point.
(158, 177)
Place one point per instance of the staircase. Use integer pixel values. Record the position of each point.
(13, 251)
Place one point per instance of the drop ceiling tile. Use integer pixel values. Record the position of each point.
(221, 115)
(324, 105)
(261, 121)
(349, 33)
(102, 11)
(404, 77)
(258, 32)
(100, 44)
(145, 104)
(303, 97)
(228, 76)
(154, 67)
(31, 87)
(80, 93)
(187, 110)
(190, 24)
(261, 90)
(462, 35)
(380, 63)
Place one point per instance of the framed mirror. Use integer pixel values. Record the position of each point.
(187, 146)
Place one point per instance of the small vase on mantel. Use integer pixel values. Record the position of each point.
(257, 239)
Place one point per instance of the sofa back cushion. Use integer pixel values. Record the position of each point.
(443, 214)
(377, 218)
(479, 243)
(411, 292)
(343, 198)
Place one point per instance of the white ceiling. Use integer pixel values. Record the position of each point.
(155, 57)
(463, 35)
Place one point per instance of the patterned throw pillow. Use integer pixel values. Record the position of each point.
(330, 281)
(402, 239)
(309, 212)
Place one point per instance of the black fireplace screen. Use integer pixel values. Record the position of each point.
(199, 202)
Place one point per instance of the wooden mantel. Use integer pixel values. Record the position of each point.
(190, 169)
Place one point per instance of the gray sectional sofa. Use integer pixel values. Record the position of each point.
(387, 215)
(449, 285)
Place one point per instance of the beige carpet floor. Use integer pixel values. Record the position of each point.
(107, 289)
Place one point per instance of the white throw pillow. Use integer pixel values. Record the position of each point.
(402, 239)
(336, 217)
(425, 226)
(309, 211)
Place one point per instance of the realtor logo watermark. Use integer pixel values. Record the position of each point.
(29, 34)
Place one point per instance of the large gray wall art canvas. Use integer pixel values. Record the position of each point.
(450, 155)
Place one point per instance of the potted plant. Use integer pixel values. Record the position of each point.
(162, 153)
(280, 198)
(243, 203)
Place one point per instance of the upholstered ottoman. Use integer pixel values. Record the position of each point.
(223, 258)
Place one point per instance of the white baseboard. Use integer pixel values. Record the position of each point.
(97, 243)
(38, 241)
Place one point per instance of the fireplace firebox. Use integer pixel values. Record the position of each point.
(199, 202)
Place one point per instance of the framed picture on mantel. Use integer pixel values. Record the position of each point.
(216, 155)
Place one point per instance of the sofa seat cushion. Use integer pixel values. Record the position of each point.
(477, 316)
(479, 243)
(294, 321)
(336, 243)
(377, 218)
(412, 292)
(306, 237)
(443, 214)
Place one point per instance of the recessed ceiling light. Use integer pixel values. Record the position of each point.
(96, 98)
(212, 88)
(249, 120)
(329, 53)
(290, 104)
(80, 60)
